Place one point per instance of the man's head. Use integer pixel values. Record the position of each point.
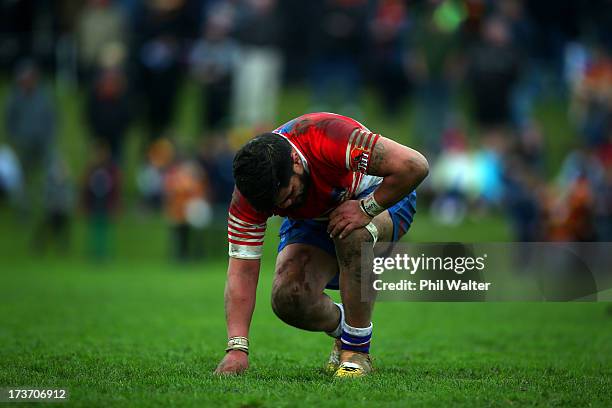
(269, 173)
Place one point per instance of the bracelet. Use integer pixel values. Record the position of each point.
(370, 206)
(238, 343)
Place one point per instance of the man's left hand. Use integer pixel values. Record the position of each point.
(346, 218)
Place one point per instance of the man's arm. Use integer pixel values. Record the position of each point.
(402, 169)
(240, 292)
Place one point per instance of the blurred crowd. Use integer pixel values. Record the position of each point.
(472, 71)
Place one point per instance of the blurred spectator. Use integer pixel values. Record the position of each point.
(464, 178)
(258, 76)
(160, 157)
(100, 199)
(581, 178)
(213, 61)
(216, 159)
(604, 152)
(452, 179)
(603, 207)
(434, 65)
(297, 35)
(596, 20)
(530, 147)
(512, 53)
(493, 70)
(574, 216)
(160, 31)
(188, 208)
(338, 40)
(580, 163)
(388, 30)
(592, 98)
(109, 110)
(11, 183)
(554, 23)
(101, 23)
(489, 173)
(472, 13)
(524, 198)
(17, 19)
(527, 88)
(59, 199)
(31, 125)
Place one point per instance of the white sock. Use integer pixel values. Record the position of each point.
(356, 338)
(338, 331)
(357, 331)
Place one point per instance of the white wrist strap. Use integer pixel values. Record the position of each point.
(238, 343)
(373, 231)
(370, 206)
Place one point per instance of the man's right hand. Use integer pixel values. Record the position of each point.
(234, 362)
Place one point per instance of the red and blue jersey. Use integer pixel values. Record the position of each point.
(335, 151)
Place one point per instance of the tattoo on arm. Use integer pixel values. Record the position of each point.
(377, 157)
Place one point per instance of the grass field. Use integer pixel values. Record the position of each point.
(138, 330)
(141, 331)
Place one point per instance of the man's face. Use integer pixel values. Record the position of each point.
(294, 195)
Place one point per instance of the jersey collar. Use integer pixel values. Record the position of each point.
(302, 157)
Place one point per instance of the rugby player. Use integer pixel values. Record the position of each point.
(338, 185)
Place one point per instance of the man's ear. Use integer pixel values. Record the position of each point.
(295, 157)
(297, 162)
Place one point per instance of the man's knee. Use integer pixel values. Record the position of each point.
(348, 248)
(292, 295)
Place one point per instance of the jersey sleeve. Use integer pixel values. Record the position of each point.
(347, 144)
(246, 228)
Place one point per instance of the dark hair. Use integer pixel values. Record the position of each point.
(261, 168)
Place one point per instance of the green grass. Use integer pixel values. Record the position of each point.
(139, 330)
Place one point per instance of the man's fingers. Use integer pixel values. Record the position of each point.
(331, 224)
(227, 372)
(334, 219)
(350, 227)
(229, 366)
(222, 367)
(338, 227)
(234, 368)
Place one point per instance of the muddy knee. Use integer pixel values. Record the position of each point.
(291, 294)
(349, 247)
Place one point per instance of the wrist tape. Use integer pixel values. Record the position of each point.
(370, 206)
(238, 343)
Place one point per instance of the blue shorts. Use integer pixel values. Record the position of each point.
(314, 233)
